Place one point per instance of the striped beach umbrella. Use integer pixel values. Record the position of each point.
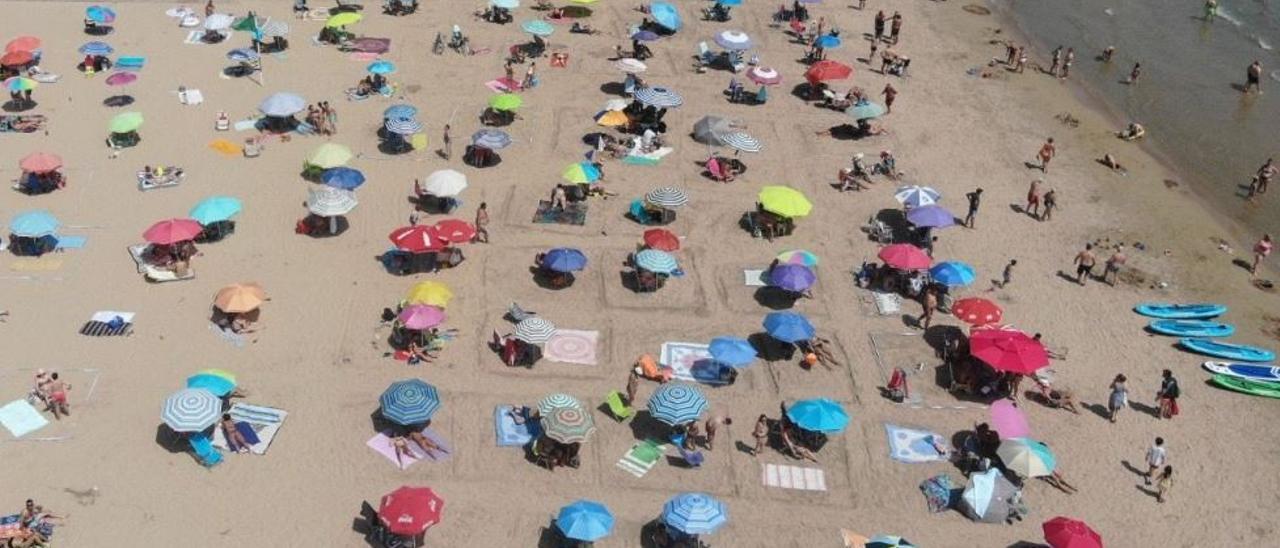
(409, 402)
(34, 224)
(653, 260)
(219, 22)
(1027, 457)
(557, 400)
(568, 425)
(327, 201)
(788, 327)
(668, 196)
(400, 111)
(96, 48)
(243, 55)
(403, 126)
(740, 140)
(733, 351)
(420, 316)
(658, 96)
(585, 520)
(764, 76)
(535, 330)
(695, 513)
(454, 231)
(916, 196)
(735, 40)
(492, 139)
(630, 65)
(538, 27)
(191, 410)
(985, 497)
(416, 239)
(819, 415)
(218, 381)
(677, 403)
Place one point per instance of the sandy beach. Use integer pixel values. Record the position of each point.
(320, 350)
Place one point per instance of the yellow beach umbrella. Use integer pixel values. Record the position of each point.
(238, 298)
(785, 201)
(343, 19)
(430, 293)
(613, 118)
(330, 155)
(418, 141)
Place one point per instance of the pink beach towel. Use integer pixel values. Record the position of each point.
(572, 346)
(381, 444)
(1009, 421)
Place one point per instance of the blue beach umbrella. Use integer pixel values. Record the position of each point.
(403, 126)
(952, 273)
(505, 4)
(401, 111)
(676, 403)
(729, 3)
(585, 520)
(564, 259)
(100, 14)
(409, 402)
(792, 277)
(644, 36)
(381, 67)
(96, 48)
(218, 382)
(242, 55)
(214, 209)
(916, 196)
(827, 41)
(34, 224)
(733, 351)
(788, 327)
(866, 110)
(344, 178)
(665, 14)
(819, 415)
(656, 261)
(538, 27)
(933, 216)
(492, 139)
(695, 513)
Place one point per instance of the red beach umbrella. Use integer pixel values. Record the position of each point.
(23, 43)
(410, 510)
(173, 231)
(905, 257)
(40, 162)
(16, 58)
(1008, 350)
(977, 311)
(1063, 532)
(454, 231)
(661, 239)
(827, 70)
(416, 239)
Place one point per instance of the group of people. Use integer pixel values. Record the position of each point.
(323, 118)
(51, 391)
(35, 527)
(857, 176)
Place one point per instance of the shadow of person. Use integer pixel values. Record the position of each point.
(1130, 467)
(1098, 409)
(1144, 408)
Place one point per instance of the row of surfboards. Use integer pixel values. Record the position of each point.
(1196, 326)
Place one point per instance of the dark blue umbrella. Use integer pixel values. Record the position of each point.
(342, 177)
(564, 259)
(409, 402)
(732, 351)
(931, 216)
(788, 327)
(792, 277)
(644, 36)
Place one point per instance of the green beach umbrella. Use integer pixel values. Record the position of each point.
(505, 102)
(126, 122)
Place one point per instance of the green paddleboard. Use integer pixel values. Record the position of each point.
(1265, 389)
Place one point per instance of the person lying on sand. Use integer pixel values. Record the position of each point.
(234, 438)
(1134, 132)
(1111, 162)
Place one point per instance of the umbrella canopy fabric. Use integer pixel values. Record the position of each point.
(125, 122)
(344, 178)
(416, 239)
(492, 139)
(581, 173)
(785, 201)
(677, 403)
(327, 201)
(885, 541)
(381, 66)
(554, 401)
(564, 259)
(740, 140)
(343, 19)
(172, 231)
(410, 511)
(916, 196)
(118, 79)
(282, 104)
(219, 21)
(1008, 420)
(661, 239)
(191, 410)
(445, 182)
(612, 118)
(798, 256)
(96, 48)
(695, 513)
(538, 27)
(905, 257)
(977, 311)
(16, 58)
(710, 129)
(931, 216)
(274, 27)
(23, 43)
(409, 402)
(986, 497)
(421, 316)
(454, 231)
(430, 292)
(40, 162)
(330, 155)
(735, 40)
(568, 425)
(827, 41)
(1008, 350)
(100, 14)
(827, 70)
(34, 224)
(1027, 457)
(644, 36)
(764, 76)
(788, 327)
(666, 15)
(243, 55)
(792, 277)
(630, 65)
(866, 110)
(819, 415)
(952, 273)
(658, 96)
(217, 381)
(505, 4)
(403, 126)
(1064, 532)
(20, 83)
(240, 298)
(402, 111)
(535, 330)
(733, 351)
(585, 520)
(668, 196)
(656, 261)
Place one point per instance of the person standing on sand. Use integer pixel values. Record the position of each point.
(1156, 457)
(889, 94)
(1119, 398)
(895, 27)
(1135, 73)
(1084, 263)
(1111, 274)
(1022, 60)
(208, 8)
(879, 25)
(1047, 152)
(1164, 483)
(761, 434)
(1007, 275)
(1260, 252)
(1253, 77)
(1108, 53)
(1057, 60)
(1050, 204)
(1168, 394)
(875, 45)
(1066, 63)
(712, 426)
(1033, 200)
(482, 223)
(446, 144)
(929, 302)
(633, 384)
(1262, 178)
(1210, 10)
(975, 200)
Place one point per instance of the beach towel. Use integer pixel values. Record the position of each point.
(10, 526)
(204, 449)
(938, 491)
(754, 278)
(914, 446)
(572, 346)
(641, 458)
(193, 38)
(502, 85)
(191, 97)
(226, 148)
(133, 63)
(41, 264)
(72, 242)
(888, 303)
(573, 214)
(381, 444)
(20, 418)
(263, 422)
(509, 433)
(108, 323)
(785, 476)
(647, 159)
(363, 56)
(246, 125)
(691, 362)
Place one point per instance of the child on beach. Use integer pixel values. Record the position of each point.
(1119, 398)
(1047, 152)
(1156, 457)
(1164, 483)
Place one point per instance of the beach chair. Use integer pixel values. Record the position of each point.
(205, 451)
(705, 56)
(639, 213)
(147, 183)
(619, 409)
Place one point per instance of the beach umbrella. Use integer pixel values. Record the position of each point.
(327, 201)
(214, 209)
(916, 196)
(172, 231)
(420, 316)
(792, 277)
(784, 201)
(658, 96)
(866, 110)
(986, 497)
(905, 257)
(430, 292)
(677, 403)
(282, 104)
(416, 239)
(535, 330)
(554, 401)
(344, 178)
(505, 4)
(644, 36)
(216, 381)
(667, 196)
(952, 273)
(819, 415)
(409, 402)
(249, 24)
(1063, 532)
(343, 19)
(581, 173)
(1008, 350)
(886, 541)
(568, 425)
(742, 141)
(656, 261)
(711, 129)
(34, 224)
(630, 65)
(454, 231)
(735, 40)
(16, 58)
(117, 79)
(19, 83)
(827, 41)
(403, 126)
(504, 102)
(239, 298)
(661, 239)
(243, 55)
(381, 66)
(409, 511)
(100, 14)
(612, 118)
(585, 520)
(798, 256)
(733, 351)
(564, 259)
(274, 27)
(445, 182)
(40, 162)
(125, 122)
(492, 139)
(788, 327)
(402, 111)
(330, 155)
(977, 311)
(1027, 457)
(96, 48)
(22, 43)
(764, 76)
(219, 21)
(191, 410)
(694, 513)
(538, 27)
(1008, 420)
(729, 3)
(827, 70)
(665, 14)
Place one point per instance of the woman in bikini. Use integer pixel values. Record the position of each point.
(1033, 199)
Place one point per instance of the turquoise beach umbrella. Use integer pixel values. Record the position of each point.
(952, 273)
(381, 67)
(585, 520)
(34, 224)
(819, 415)
(538, 27)
(214, 209)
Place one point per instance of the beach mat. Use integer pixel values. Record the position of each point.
(572, 346)
(226, 148)
(887, 303)
(785, 476)
(237, 340)
(647, 159)
(509, 433)
(754, 278)
(131, 63)
(573, 214)
(690, 362)
(193, 38)
(913, 446)
(381, 444)
(20, 418)
(108, 323)
(72, 242)
(10, 526)
(41, 264)
(264, 421)
(503, 85)
(641, 458)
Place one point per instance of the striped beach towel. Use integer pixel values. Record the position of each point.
(10, 526)
(266, 422)
(108, 323)
(786, 476)
(642, 457)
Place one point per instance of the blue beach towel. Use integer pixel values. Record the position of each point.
(249, 434)
(509, 433)
(131, 63)
(72, 242)
(20, 418)
(914, 446)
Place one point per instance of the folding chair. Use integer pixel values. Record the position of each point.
(620, 410)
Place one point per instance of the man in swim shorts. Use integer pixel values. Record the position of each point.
(1084, 263)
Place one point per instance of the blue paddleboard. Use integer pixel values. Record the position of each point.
(1191, 328)
(1180, 311)
(1260, 373)
(1229, 351)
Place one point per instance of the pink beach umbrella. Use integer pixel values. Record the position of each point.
(1009, 421)
(173, 231)
(421, 316)
(121, 79)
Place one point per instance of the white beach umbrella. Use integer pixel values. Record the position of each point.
(327, 201)
(445, 182)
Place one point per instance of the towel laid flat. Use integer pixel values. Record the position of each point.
(72, 242)
(573, 214)
(786, 476)
(108, 323)
(509, 433)
(20, 418)
(641, 458)
(913, 446)
(572, 346)
(265, 423)
(754, 278)
(381, 444)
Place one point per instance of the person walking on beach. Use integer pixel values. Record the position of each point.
(1084, 263)
(208, 8)
(1108, 53)
(875, 45)
(1156, 457)
(712, 426)
(895, 27)
(1033, 200)
(446, 143)
(1119, 398)
(1066, 63)
(1111, 274)
(889, 93)
(929, 302)
(1135, 73)
(1164, 483)
(1050, 204)
(1260, 252)
(1022, 60)
(879, 25)
(1253, 77)
(1007, 275)
(1210, 10)
(1047, 152)
(1168, 394)
(975, 200)
(761, 434)
(1262, 178)
(482, 223)
(1057, 60)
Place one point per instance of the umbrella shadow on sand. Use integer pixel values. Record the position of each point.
(613, 88)
(18, 105)
(776, 298)
(938, 337)
(644, 427)
(171, 441)
(771, 349)
(897, 222)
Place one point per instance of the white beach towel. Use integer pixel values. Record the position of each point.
(266, 422)
(190, 97)
(754, 278)
(785, 476)
(20, 418)
(888, 303)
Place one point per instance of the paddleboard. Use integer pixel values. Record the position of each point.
(1191, 328)
(1229, 351)
(1180, 311)
(1264, 389)
(1251, 372)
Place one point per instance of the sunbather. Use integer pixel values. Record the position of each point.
(797, 450)
(401, 446)
(430, 447)
(235, 440)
